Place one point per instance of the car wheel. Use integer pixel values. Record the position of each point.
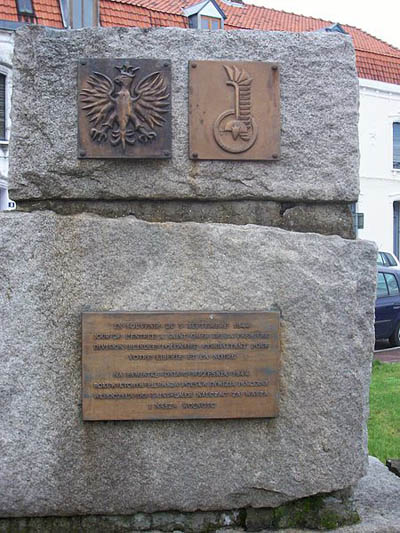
(394, 338)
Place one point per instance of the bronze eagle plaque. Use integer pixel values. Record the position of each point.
(124, 108)
(234, 110)
(159, 366)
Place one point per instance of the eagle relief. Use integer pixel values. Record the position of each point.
(125, 115)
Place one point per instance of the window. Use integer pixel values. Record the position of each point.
(381, 288)
(5, 101)
(210, 23)
(387, 285)
(25, 7)
(83, 13)
(396, 145)
(2, 107)
(392, 284)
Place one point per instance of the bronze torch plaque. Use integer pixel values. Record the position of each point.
(234, 110)
(181, 365)
(124, 108)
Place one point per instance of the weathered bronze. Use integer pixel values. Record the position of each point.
(159, 366)
(234, 110)
(124, 108)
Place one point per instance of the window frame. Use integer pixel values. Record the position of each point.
(395, 168)
(385, 276)
(25, 13)
(7, 72)
(95, 14)
(210, 20)
(381, 275)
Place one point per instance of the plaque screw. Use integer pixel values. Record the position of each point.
(274, 156)
(82, 153)
(166, 65)
(166, 153)
(195, 155)
(194, 65)
(83, 62)
(274, 67)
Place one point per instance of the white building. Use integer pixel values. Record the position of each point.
(6, 52)
(379, 130)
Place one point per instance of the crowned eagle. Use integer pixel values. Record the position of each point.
(122, 111)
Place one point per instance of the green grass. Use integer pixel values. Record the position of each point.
(384, 418)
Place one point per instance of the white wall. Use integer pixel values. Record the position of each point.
(380, 184)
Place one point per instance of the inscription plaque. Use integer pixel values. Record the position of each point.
(234, 110)
(124, 108)
(180, 365)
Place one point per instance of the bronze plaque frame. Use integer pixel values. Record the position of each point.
(124, 108)
(180, 365)
(234, 110)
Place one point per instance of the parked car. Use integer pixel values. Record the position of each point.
(387, 306)
(387, 259)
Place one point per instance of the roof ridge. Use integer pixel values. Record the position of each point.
(374, 37)
(291, 13)
(323, 20)
(343, 24)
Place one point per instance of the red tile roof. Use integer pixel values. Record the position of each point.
(128, 13)
(47, 12)
(376, 59)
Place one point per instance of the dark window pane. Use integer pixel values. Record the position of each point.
(2, 107)
(392, 284)
(381, 288)
(215, 24)
(380, 259)
(396, 145)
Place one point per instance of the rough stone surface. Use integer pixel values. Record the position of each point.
(327, 219)
(54, 267)
(319, 103)
(376, 498)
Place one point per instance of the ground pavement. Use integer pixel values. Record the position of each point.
(386, 354)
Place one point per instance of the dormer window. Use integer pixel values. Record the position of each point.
(83, 13)
(80, 13)
(25, 10)
(25, 7)
(206, 15)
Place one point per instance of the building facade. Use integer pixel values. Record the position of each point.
(6, 52)
(379, 131)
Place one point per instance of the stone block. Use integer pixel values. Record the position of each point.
(53, 267)
(319, 114)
